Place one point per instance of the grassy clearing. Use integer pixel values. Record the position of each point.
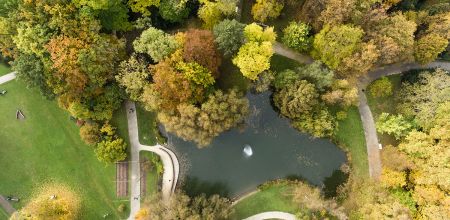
(152, 177)
(46, 147)
(385, 104)
(279, 63)
(231, 77)
(350, 136)
(147, 126)
(120, 121)
(274, 198)
(3, 214)
(4, 69)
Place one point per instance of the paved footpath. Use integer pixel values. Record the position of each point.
(272, 215)
(6, 205)
(168, 158)
(8, 77)
(370, 132)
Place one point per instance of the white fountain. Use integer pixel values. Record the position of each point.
(248, 152)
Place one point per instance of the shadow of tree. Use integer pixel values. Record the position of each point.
(195, 187)
(332, 183)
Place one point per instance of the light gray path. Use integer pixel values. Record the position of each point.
(272, 215)
(168, 158)
(8, 77)
(282, 50)
(372, 143)
(370, 132)
(6, 205)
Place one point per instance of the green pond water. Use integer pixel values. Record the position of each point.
(279, 151)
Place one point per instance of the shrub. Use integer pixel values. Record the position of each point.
(381, 87)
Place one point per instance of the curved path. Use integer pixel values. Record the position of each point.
(8, 77)
(282, 50)
(272, 215)
(168, 158)
(370, 133)
(373, 152)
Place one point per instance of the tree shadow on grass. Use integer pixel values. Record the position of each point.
(195, 187)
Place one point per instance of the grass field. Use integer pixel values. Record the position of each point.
(147, 126)
(46, 147)
(152, 178)
(4, 69)
(279, 63)
(350, 136)
(274, 198)
(3, 214)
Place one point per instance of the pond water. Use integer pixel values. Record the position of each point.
(276, 151)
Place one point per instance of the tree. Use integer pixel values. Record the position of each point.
(90, 133)
(264, 81)
(296, 99)
(172, 87)
(333, 44)
(201, 49)
(337, 12)
(393, 179)
(173, 10)
(319, 123)
(429, 47)
(395, 125)
(310, 12)
(211, 12)
(342, 93)
(297, 36)
(115, 17)
(196, 73)
(180, 206)
(285, 78)
(370, 200)
(310, 199)
(133, 75)
(394, 38)
(263, 10)
(155, 43)
(219, 113)
(51, 201)
(422, 98)
(318, 74)
(111, 150)
(382, 87)
(142, 6)
(360, 62)
(255, 33)
(32, 71)
(229, 36)
(254, 58)
(429, 184)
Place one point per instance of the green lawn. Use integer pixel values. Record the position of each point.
(152, 178)
(3, 214)
(279, 63)
(46, 147)
(4, 69)
(231, 77)
(147, 126)
(350, 136)
(274, 198)
(385, 104)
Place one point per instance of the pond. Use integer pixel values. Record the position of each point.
(277, 151)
